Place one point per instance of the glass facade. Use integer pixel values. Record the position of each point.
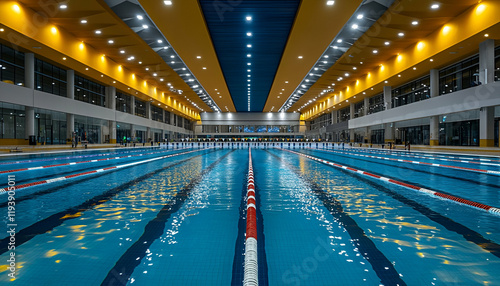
(412, 92)
(156, 113)
(415, 135)
(89, 91)
(123, 102)
(49, 78)
(378, 136)
(50, 127)
(464, 133)
(140, 108)
(12, 121)
(497, 63)
(376, 104)
(344, 114)
(11, 66)
(462, 75)
(359, 109)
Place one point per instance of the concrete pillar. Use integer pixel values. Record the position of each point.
(487, 61)
(70, 125)
(389, 132)
(29, 122)
(148, 134)
(70, 93)
(367, 135)
(148, 110)
(29, 70)
(132, 105)
(111, 97)
(163, 116)
(351, 135)
(172, 118)
(487, 127)
(351, 111)
(132, 132)
(434, 130)
(434, 78)
(70, 84)
(334, 117)
(112, 132)
(366, 106)
(387, 97)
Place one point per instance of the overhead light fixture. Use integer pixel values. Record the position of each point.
(355, 26)
(145, 26)
(360, 16)
(198, 57)
(248, 18)
(98, 32)
(401, 34)
(375, 51)
(168, 3)
(140, 17)
(435, 6)
(330, 3)
(63, 6)
(387, 43)
(111, 42)
(83, 21)
(249, 34)
(414, 23)
(249, 46)
(301, 57)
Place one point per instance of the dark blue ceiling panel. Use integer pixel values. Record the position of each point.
(270, 26)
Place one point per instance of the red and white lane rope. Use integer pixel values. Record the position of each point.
(491, 172)
(48, 181)
(251, 274)
(490, 209)
(74, 163)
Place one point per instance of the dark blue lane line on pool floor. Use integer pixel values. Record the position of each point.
(451, 225)
(411, 169)
(125, 266)
(381, 265)
(55, 220)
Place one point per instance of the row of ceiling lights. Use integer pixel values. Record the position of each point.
(330, 57)
(248, 20)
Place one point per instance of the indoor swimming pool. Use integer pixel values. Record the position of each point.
(151, 216)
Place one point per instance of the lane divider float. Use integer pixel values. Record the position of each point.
(251, 274)
(490, 172)
(48, 181)
(79, 162)
(490, 209)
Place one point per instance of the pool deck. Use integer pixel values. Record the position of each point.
(26, 149)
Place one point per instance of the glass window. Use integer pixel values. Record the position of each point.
(49, 78)
(497, 63)
(344, 114)
(412, 92)
(140, 108)
(462, 75)
(156, 113)
(11, 66)
(167, 117)
(376, 104)
(89, 91)
(123, 102)
(359, 109)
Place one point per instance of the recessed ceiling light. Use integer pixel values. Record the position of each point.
(339, 41)
(486, 35)
(387, 43)
(414, 23)
(147, 69)
(431, 60)
(198, 57)
(354, 68)
(248, 18)
(355, 26)
(346, 74)
(86, 69)
(122, 52)
(167, 3)
(249, 55)
(145, 26)
(335, 47)
(98, 32)
(63, 6)
(249, 46)
(360, 16)
(204, 68)
(111, 42)
(401, 34)
(301, 57)
(375, 51)
(140, 17)
(415, 68)
(64, 58)
(140, 63)
(435, 6)
(399, 75)
(83, 21)
(330, 3)
(249, 34)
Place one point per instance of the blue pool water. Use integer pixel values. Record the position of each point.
(180, 220)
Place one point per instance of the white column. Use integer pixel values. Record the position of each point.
(132, 105)
(148, 134)
(111, 104)
(367, 105)
(487, 61)
(487, 126)
(70, 93)
(387, 97)
(434, 79)
(434, 130)
(334, 117)
(29, 122)
(389, 132)
(29, 70)
(148, 109)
